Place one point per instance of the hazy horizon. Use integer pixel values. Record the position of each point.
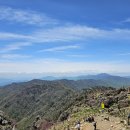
(43, 75)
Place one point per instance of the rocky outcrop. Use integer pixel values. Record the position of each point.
(5, 122)
(63, 116)
(108, 97)
(41, 124)
(123, 103)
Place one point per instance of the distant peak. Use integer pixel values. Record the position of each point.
(104, 74)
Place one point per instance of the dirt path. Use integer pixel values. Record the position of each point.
(112, 124)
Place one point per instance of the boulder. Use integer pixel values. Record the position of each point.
(64, 116)
(5, 122)
(123, 103)
(41, 124)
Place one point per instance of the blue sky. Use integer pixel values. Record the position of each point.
(65, 36)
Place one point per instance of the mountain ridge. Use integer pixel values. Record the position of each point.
(99, 79)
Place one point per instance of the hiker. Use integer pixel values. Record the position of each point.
(92, 118)
(129, 119)
(119, 108)
(95, 125)
(14, 127)
(86, 119)
(78, 125)
(89, 119)
(68, 127)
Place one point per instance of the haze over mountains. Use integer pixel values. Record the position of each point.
(102, 79)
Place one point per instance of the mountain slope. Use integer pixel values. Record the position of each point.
(49, 99)
(37, 97)
(24, 101)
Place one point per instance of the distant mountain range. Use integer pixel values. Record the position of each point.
(102, 79)
(4, 81)
(110, 80)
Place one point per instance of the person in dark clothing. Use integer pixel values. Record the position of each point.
(92, 118)
(95, 125)
(129, 119)
(119, 108)
(78, 125)
(68, 127)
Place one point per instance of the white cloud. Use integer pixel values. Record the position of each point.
(78, 32)
(60, 48)
(62, 34)
(68, 33)
(8, 36)
(61, 66)
(124, 54)
(15, 46)
(79, 56)
(56, 33)
(13, 56)
(25, 17)
(126, 20)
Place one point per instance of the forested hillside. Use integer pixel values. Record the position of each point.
(52, 100)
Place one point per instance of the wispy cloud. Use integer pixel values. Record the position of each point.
(14, 46)
(78, 32)
(62, 33)
(60, 48)
(79, 56)
(13, 56)
(25, 16)
(68, 33)
(8, 36)
(126, 20)
(124, 54)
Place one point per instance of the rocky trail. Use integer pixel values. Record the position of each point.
(114, 123)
